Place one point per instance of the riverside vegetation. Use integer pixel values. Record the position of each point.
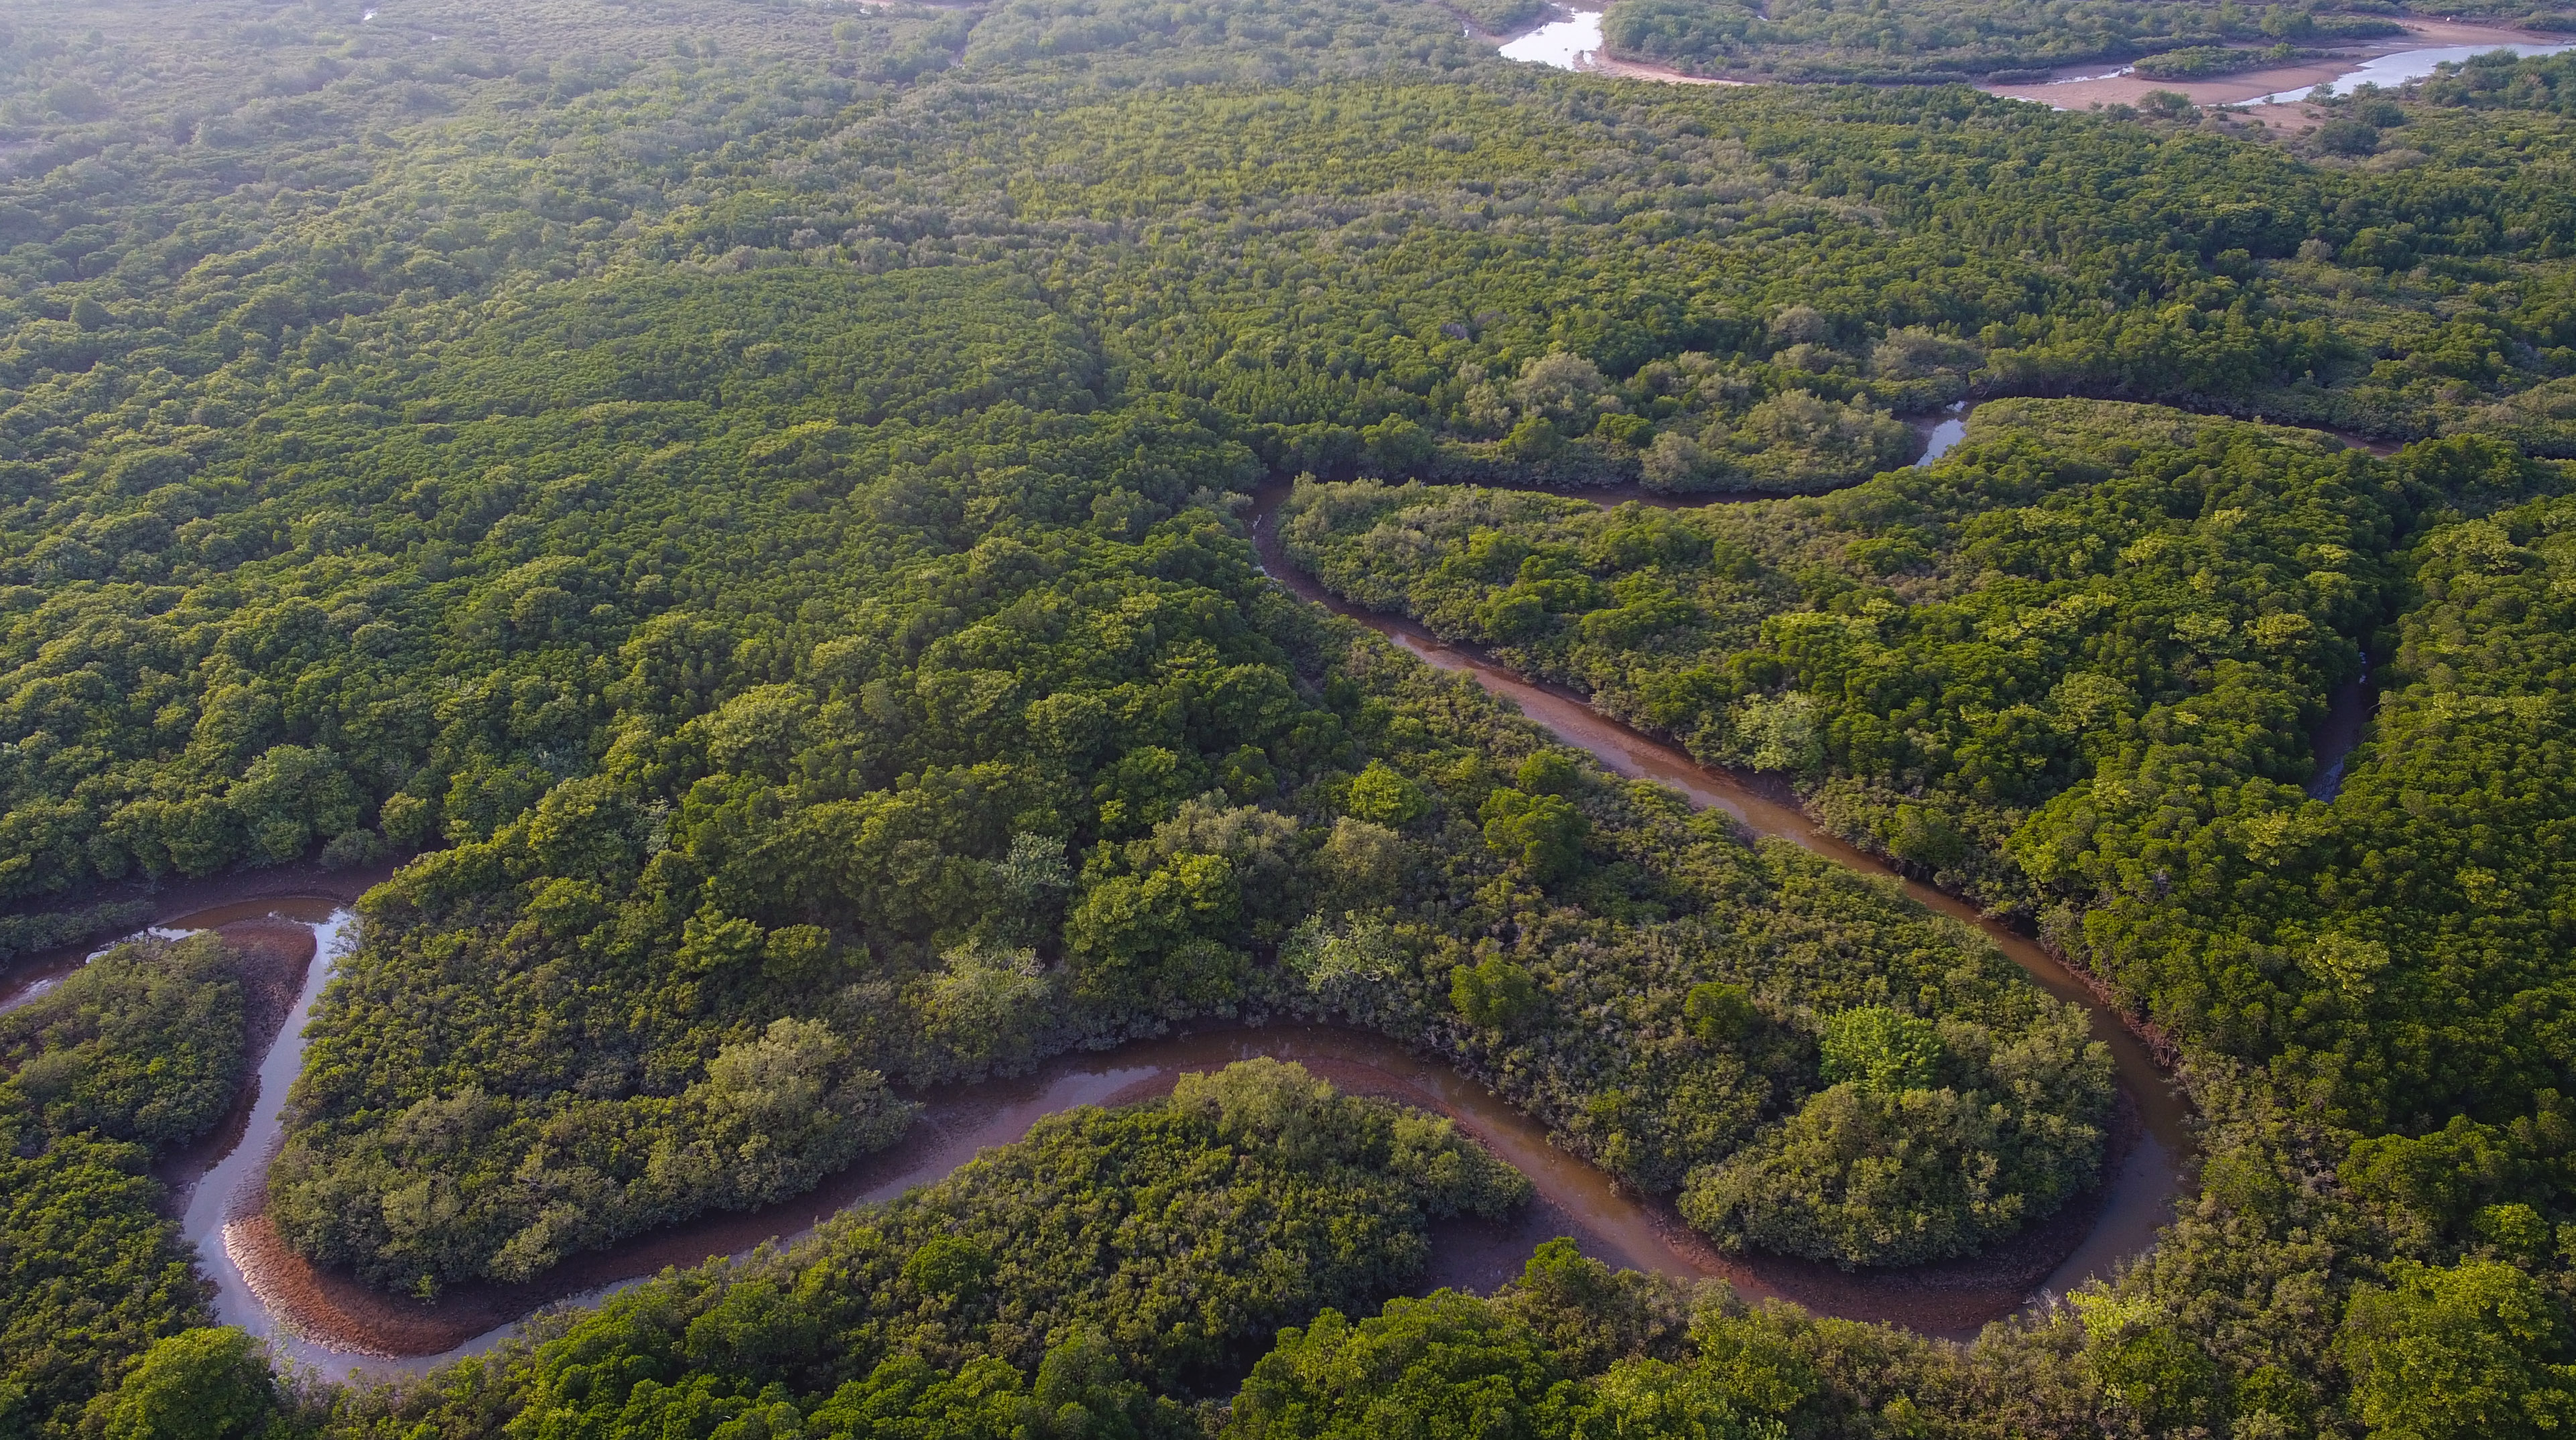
(746, 499)
(2000, 40)
(132, 1056)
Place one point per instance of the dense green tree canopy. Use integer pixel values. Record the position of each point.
(2008, 41)
(1164, 1243)
(139, 1051)
(744, 501)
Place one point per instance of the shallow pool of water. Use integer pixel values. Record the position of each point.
(1945, 435)
(1569, 44)
(2390, 71)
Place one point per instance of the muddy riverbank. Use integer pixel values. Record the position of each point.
(2141, 1185)
(169, 902)
(2348, 712)
(2387, 63)
(276, 958)
(330, 1323)
(1571, 39)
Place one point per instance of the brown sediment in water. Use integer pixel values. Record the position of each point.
(957, 1123)
(2117, 1220)
(241, 896)
(2141, 1186)
(2144, 1168)
(1764, 805)
(1572, 1198)
(273, 956)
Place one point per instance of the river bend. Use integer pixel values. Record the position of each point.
(329, 1323)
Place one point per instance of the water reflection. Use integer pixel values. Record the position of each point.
(1944, 436)
(2390, 71)
(42, 978)
(1569, 44)
(234, 1182)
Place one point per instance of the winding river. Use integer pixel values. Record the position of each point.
(1574, 42)
(331, 1324)
(2148, 1173)
(2388, 72)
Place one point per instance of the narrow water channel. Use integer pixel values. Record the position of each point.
(331, 1324)
(2347, 711)
(2138, 1198)
(237, 1181)
(27, 982)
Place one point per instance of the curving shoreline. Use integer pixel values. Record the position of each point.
(1568, 37)
(329, 1322)
(231, 898)
(2140, 1188)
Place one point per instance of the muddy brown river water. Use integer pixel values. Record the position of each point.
(329, 1323)
(2147, 1174)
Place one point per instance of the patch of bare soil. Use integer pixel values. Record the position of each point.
(1605, 63)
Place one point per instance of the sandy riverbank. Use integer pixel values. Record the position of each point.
(1605, 63)
(2254, 84)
